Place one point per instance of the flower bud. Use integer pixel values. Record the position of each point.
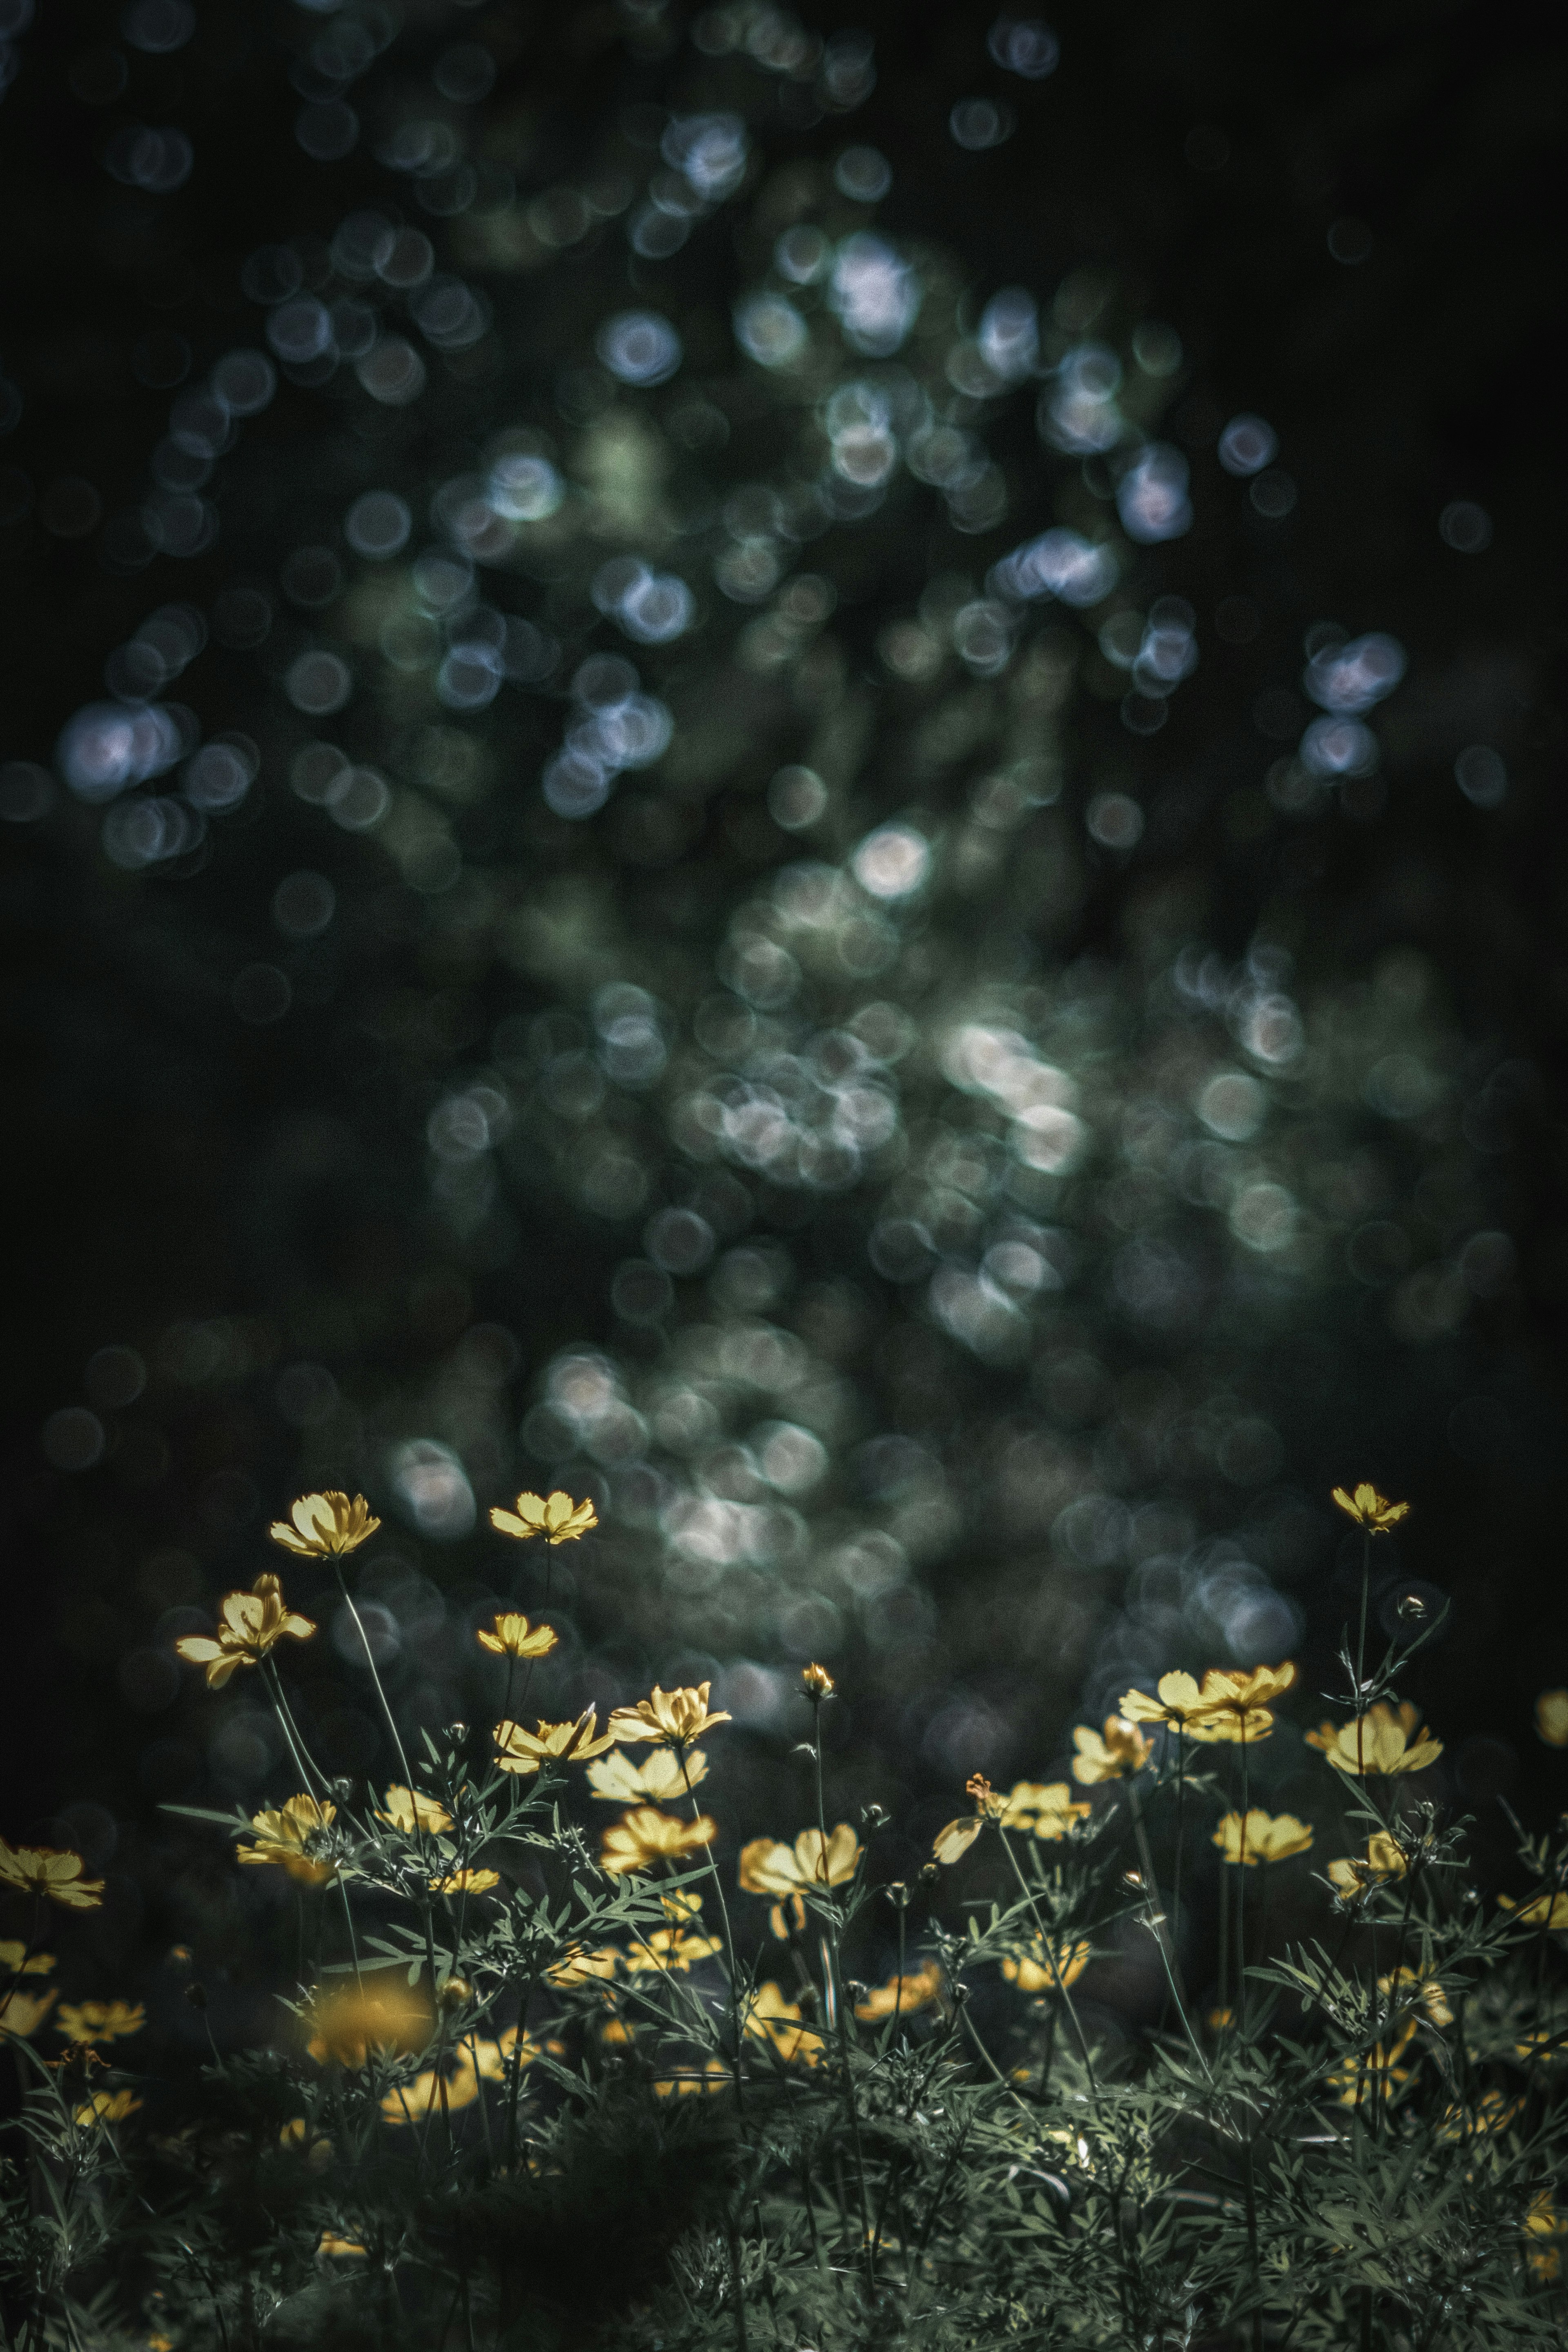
(817, 1681)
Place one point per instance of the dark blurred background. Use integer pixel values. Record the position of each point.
(379, 1119)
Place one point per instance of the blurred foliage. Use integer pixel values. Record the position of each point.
(723, 797)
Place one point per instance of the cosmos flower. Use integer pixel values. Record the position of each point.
(1384, 1858)
(818, 1682)
(493, 2059)
(1177, 1703)
(84, 2022)
(252, 1624)
(408, 1811)
(325, 1526)
(286, 1837)
(646, 1836)
(314, 2146)
(1261, 1837)
(1046, 1810)
(16, 1961)
(465, 1881)
(514, 1637)
(381, 2010)
(22, 2013)
(772, 2019)
(902, 1995)
(1542, 2220)
(770, 1867)
(106, 2107)
(1385, 1740)
(1122, 1749)
(1032, 1972)
(1548, 1911)
(438, 2088)
(332, 2248)
(673, 1718)
(1234, 1703)
(1370, 1509)
(1377, 2070)
(692, 2082)
(953, 1842)
(621, 1781)
(1410, 1983)
(45, 1870)
(579, 1965)
(518, 1750)
(671, 1948)
(556, 1517)
(1552, 1717)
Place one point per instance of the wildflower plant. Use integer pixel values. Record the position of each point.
(536, 2076)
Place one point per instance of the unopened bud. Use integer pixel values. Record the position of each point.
(455, 1734)
(898, 1895)
(196, 1994)
(817, 1681)
(455, 1993)
(1132, 1878)
(929, 1875)
(874, 1817)
(1412, 1606)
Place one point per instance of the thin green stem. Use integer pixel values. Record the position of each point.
(833, 1986)
(375, 1678)
(1027, 1893)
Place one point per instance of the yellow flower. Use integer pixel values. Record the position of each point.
(325, 1526)
(1549, 1912)
(1552, 1717)
(494, 2058)
(1384, 1859)
(1047, 1809)
(1032, 1972)
(316, 2149)
(381, 2010)
(646, 1836)
(579, 1965)
(671, 1948)
(1261, 1837)
(902, 1995)
(671, 1719)
(287, 1836)
(16, 1961)
(769, 1867)
(712, 2076)
(408, 1811)
(1234, 1703)
(1426, 1991)
(514, 1637)
(1370, 1509)
(465, 1881)
(22, 2013)
(619, 1780)
(87, 2022)
(252, 1624)
(1383, 1740)
(556, 1517)
(331, 2248)
(818, 1682)
(1493, 2111)
(1360, 2079)
(1177, 1702)
(1543, 2220)
(435, 2091)
(1123, 1749)
(953, 1843)
(549, 1743)
(773, 2019)
(106, 2107)
(45, 1870)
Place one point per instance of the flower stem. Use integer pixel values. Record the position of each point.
(375, 1678)
(1051, 1956)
